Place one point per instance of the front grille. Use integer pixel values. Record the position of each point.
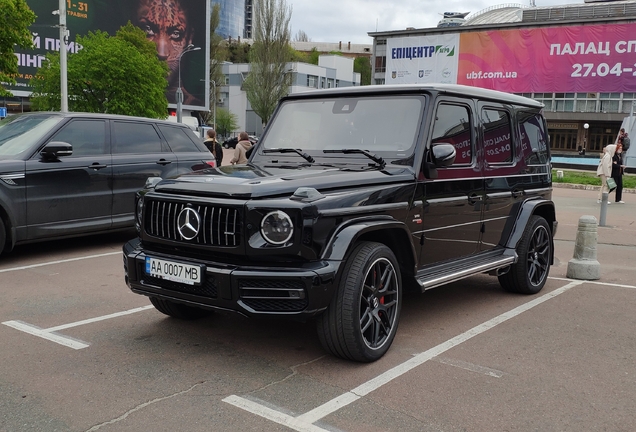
(273, 295)
(206, 289)
(220, 226)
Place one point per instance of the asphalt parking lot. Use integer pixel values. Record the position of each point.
(80, 352)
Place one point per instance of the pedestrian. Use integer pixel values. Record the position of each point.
(213, 145)
(243, 145)
(617, 173)
(625, 142)
(621, 134)
(604, 169)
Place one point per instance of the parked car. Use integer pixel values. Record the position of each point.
(232, 142)
(73, 174)
(352, 196)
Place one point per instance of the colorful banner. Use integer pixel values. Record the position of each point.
(584, 58)
(171, 24)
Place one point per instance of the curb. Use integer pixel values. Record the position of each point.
(585, 187)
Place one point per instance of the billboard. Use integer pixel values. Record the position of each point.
(171, 24)
(582, 58)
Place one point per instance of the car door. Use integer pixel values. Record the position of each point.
(502, 179)
(71, 194)
(138, 153)
(451, 204)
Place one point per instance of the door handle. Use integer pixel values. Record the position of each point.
(517, 193)
(97, 166)
(473, 198)
(163, 162)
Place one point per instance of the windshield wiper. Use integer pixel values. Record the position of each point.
(375, 158)
(301, 153)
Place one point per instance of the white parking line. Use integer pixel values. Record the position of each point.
(67, 341)
(353, 395)
(59, 262)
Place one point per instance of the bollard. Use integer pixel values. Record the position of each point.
(604, 203)
(584, 265)
(559, 174)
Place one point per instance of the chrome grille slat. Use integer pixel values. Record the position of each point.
(220, 225)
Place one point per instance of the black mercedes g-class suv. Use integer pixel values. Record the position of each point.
(351, 196)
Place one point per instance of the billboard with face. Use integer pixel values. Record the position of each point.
(579, 58)
(172, 25)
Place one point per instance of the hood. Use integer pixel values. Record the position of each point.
(252, 181)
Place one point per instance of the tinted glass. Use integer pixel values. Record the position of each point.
(20, 133)
(453, 126)
(534, 139)
(178, 139)
(386, 126)
(497, 136)
(88, 137)
(132, 137)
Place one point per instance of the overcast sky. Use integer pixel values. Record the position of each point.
(351, 20)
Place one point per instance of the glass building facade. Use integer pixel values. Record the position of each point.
(232, 18)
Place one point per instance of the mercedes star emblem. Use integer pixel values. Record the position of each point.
(188, 223)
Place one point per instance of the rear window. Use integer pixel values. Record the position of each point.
(132, 137)
(534, 138)
(179, 139)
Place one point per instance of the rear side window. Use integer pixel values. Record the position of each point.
(131, 137)
(453, 126)
(88, 137)
(534, 139)
(178, 139)
(497, 136)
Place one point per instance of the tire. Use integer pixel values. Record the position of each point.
(178, 310)
(362, 318)
(529, 274)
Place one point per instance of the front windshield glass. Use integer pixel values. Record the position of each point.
(386, 126)
(18, 134)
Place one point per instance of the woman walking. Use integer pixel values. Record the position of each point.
(604, 169)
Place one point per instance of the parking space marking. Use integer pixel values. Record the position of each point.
(596, 283)
(364, 389)
(469, 367)
(67, 341)
(59, 262)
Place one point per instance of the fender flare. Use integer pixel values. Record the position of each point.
(340, 244)
(540, 207)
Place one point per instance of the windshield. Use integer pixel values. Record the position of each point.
(20, 133)
(386, 126)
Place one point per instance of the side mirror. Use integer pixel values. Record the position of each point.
(443, 155)
(55, 149)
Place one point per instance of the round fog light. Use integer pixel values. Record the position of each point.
(277, 227)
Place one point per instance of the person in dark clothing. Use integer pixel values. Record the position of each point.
(617, 173)
(213, 145)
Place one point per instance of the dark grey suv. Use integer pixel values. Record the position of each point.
(352, 196)
(72, 174)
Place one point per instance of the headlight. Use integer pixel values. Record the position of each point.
(140, 209)
(277, 227)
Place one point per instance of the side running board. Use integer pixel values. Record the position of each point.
(454, 272)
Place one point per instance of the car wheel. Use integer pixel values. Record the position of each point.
(178, 310)
(362, 318)
(529, 274)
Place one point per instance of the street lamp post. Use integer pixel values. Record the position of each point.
(214, 105)
(179, 92)
(586, 126)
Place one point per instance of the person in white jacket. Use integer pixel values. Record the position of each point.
(604, 169)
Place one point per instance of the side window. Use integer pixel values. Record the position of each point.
(497, 136)
(453, 126)
(178, 139)
(88, 137)
(129, 137)
(534, 139)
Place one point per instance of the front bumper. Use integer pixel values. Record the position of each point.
(301, 291)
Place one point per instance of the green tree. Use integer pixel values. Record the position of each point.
(226, 121)
(237, 52)
(118, 74)
(362, 65)
(268, 79)
(16, 17)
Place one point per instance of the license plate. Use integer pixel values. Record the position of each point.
(174, 271)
